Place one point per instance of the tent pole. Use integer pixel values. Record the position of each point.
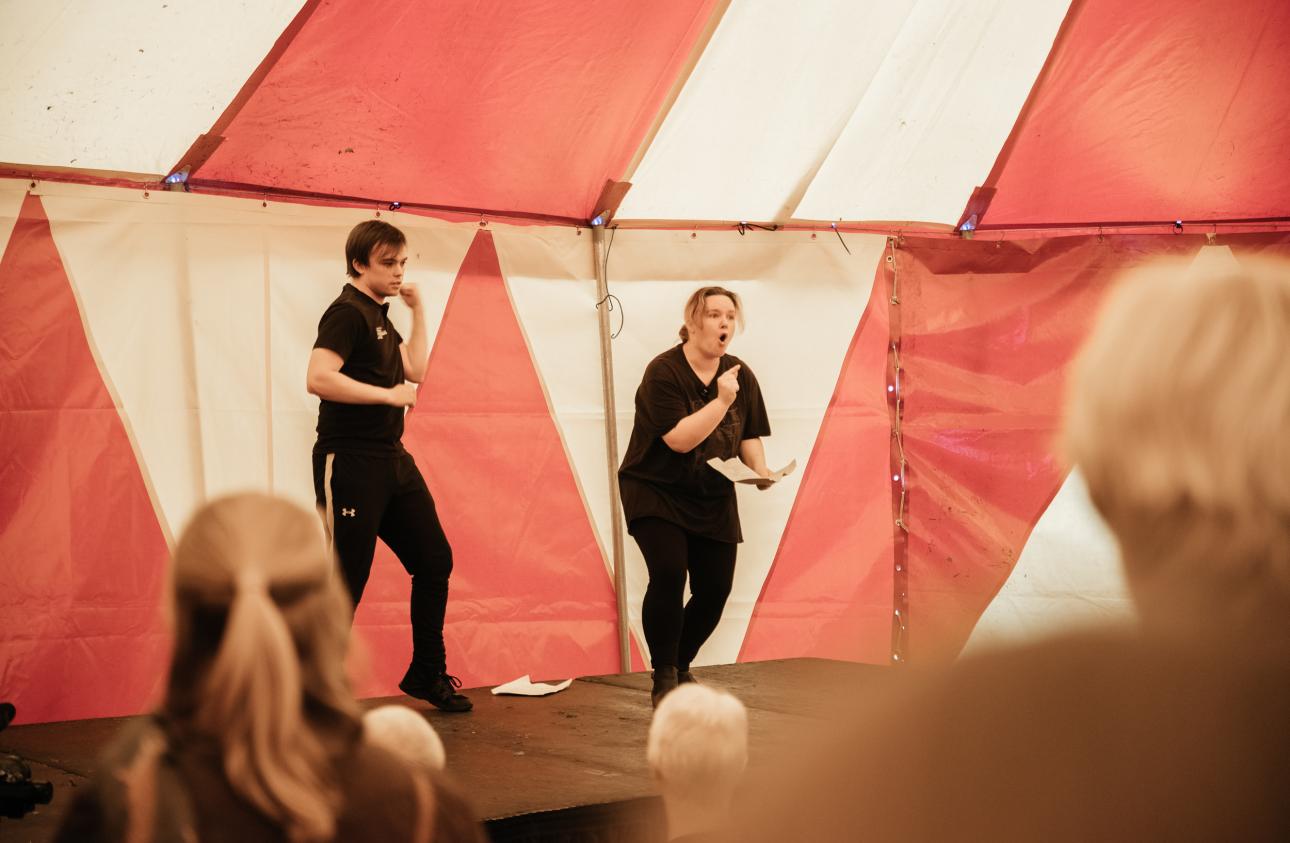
(611, 445)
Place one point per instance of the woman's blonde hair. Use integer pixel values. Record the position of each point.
(261, 632)
(696, 303)
(1179, 418)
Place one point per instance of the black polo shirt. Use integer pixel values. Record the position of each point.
(359, 330)
(656, 481)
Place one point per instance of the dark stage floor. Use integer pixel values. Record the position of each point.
(572, 761)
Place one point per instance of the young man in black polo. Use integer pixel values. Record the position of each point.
(366, 484)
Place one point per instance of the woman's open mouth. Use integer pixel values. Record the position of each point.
(721, 337)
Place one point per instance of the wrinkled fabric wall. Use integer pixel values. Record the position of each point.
(189, 318)
(154, 353)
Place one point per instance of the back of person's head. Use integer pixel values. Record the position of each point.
(1178, 420)
(698, 744)
(405, 733)
(261, 631)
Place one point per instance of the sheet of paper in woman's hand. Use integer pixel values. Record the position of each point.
(734, 469)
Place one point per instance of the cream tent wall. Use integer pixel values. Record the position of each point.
(205, 370)
(922, 203)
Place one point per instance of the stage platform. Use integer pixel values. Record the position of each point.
(569, 766)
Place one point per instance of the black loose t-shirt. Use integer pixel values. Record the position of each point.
(359, 330)
(656, 481)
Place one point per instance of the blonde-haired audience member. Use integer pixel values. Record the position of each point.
(1179, 417)
(259, 737)
(697, 752)
(405, 733)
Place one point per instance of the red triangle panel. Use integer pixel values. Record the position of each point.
(524, 107)
(989, 330)
(82, 556)
(829, 590)
(1148, 115)
(529, 590)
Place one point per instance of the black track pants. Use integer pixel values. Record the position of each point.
(675, 634)
(363, 497)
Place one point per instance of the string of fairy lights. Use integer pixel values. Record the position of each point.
(899, 465)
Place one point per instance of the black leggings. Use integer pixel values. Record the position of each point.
(674, 634)
(362, 497)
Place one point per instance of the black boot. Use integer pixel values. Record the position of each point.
(440, 690)
(685, 676)
(664, 680)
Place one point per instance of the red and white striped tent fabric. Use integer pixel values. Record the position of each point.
(816, 156)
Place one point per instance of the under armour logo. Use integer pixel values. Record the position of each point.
(380, 332)
(348, 512)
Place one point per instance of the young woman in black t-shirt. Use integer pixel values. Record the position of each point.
(694, 403)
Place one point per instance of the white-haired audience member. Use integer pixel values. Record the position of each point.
(697, 752)
(259, 737)
(1179, 417)
(405, 733)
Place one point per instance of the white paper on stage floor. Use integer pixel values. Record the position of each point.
(526, 687)
(734, 469)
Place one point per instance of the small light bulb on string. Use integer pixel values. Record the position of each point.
(834, 226)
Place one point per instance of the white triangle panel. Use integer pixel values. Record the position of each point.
(12, 194)
(803, 300)
(1067, 576)
(124, 86)
(937, 113)
(202, 312)
(764, 105)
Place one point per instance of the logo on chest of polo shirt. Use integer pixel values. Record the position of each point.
(381, 333)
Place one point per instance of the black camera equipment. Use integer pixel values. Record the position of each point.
(19, 795)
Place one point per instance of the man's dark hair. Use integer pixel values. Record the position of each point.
(365, 237)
